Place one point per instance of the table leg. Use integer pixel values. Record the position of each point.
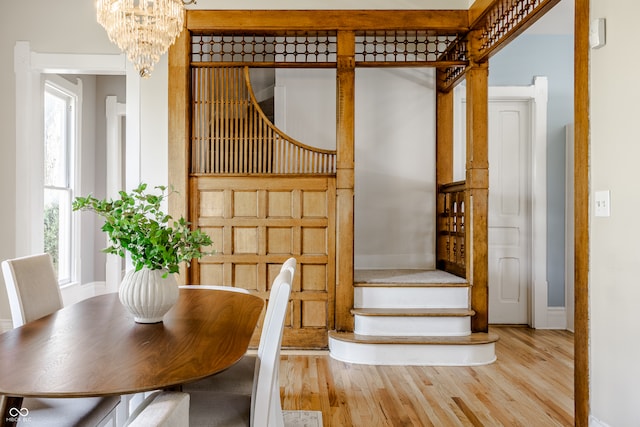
(9, 416)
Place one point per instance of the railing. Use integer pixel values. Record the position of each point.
(231, 134)
(450, 248)
(506, 19)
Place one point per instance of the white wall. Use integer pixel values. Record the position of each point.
(306, 106)
(395, 168)
(615, 240)
(50, 28)
(394, 152)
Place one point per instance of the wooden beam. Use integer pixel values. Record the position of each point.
(178, 131)
(581, 208)
(442, 21)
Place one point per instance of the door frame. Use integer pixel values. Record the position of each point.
(116, 113)
(536, 94)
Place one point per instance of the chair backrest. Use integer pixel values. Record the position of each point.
(266, 409)
(32, 287)
(290, 265)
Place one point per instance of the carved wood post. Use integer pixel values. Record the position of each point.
(477, 184)
(345, 179)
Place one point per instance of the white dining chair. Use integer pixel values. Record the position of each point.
(32, 287)
(262, 408)
(239, 377)
(290, 264)
(161, 409)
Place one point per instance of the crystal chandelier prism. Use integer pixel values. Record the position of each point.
(143, 29)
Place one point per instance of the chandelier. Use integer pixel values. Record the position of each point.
(143, 29)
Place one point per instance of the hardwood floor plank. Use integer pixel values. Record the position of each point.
(530, 385)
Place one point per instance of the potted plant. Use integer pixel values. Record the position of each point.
(157, 245)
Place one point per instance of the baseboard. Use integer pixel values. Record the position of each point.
(5, 325)
(594, 422)
(556, 318)
(77, 292)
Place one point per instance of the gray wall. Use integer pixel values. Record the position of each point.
(516, 65)
(614, 242)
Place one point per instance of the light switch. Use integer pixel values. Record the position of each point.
(597, 33)
(603, 203)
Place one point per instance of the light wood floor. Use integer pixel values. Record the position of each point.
(531, 385)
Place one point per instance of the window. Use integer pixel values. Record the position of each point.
(59, 158)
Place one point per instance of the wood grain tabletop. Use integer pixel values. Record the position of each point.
(94, 348)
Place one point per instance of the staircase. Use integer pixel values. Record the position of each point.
(412, 317)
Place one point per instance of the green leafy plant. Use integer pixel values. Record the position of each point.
(136, 224)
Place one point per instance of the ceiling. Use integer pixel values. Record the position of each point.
(332, 4)
(557, 21)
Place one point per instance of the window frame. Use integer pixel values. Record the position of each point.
(73, 93)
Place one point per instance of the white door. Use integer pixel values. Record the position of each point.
(517, 199)
(509, 211)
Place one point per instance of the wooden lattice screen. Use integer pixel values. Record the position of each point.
(231, 135)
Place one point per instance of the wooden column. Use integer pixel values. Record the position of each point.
(477, 184)
(345, 180)
(178, 132)
(581, 209)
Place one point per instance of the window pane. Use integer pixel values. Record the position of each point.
(57, 230)
(55, 140)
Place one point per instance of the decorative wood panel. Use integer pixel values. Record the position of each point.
(451, 229)
(256, 223)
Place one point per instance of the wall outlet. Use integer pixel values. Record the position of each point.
(603, 203)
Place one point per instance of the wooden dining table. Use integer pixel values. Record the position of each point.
(95, 348)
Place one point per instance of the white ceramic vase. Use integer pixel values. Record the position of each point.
(147, 295)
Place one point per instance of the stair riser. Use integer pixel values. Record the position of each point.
(412, 354)
(412, 326)
(411, 297)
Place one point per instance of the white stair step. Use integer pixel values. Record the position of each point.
(470, 350)
(414, 296)
(412, 322)
(405, 276)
